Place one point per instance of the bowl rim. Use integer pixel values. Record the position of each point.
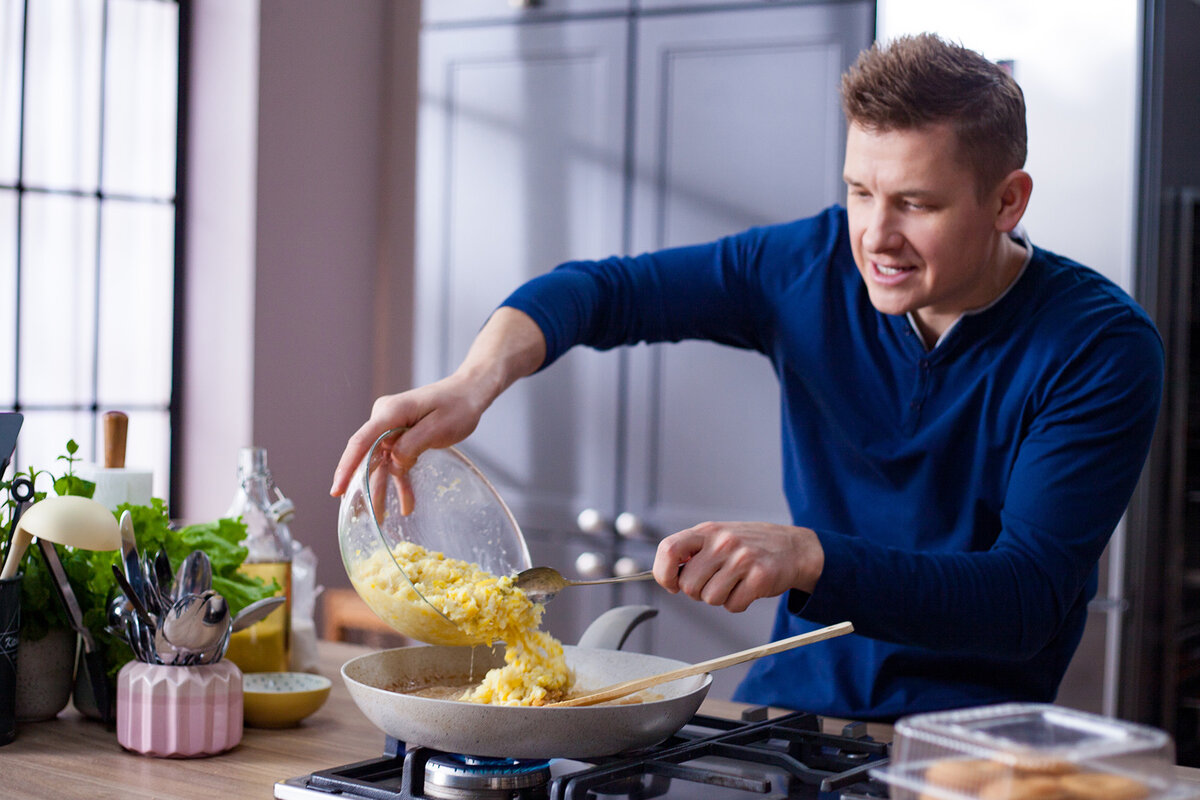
(250, 678)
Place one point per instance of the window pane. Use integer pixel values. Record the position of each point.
(136, 303)
(11, 14)
(58, 307)
(62, 94)
(8, 297)
(140, 99)
(43, 439)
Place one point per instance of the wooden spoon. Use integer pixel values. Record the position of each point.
(713, 664)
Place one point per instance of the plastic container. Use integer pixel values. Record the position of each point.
(1017, 751)
(456, 512)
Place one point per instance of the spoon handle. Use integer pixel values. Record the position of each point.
(637, 576)
(638, 684)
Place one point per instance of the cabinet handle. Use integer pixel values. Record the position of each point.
(591, 565)
(592, 521)
(626, 565)
(630, 526)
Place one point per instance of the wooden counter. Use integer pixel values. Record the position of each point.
(73, 757)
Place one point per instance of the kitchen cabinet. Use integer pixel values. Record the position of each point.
(550, 137)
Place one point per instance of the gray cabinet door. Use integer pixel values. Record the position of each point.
(738, 123)
(521, 167)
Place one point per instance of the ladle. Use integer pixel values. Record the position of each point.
(69, 520)
(541, 584)
(638, 684)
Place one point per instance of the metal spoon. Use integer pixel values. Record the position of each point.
(194, 575)
(196, 624)
(541, 584)
(255, 612)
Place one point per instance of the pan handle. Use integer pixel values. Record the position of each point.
(610, 630)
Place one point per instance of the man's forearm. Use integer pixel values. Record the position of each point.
(508, 347)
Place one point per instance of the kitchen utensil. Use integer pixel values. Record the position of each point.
(639, 684)
(518, 731)
(68, 520)
(541, 584)
(256, 612)
(21, 492)
(456, 511)
(129, 556)
(194, 575)
(195, 624)
(144, 616)
(282, 699)
(93, 658)
(164, 578)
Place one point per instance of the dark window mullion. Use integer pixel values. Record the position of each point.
(16, 340)
(100, 205)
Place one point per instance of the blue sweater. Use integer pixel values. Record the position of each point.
(963, 495)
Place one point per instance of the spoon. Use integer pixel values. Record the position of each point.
(196, 624)
(540, 584)
(255, 612)
(194, 575)
(740, 657)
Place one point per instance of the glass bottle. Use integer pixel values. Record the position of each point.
(266, 645)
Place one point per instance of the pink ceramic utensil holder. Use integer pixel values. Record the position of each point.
(179, 712)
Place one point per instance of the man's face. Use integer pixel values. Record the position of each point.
(922, 238)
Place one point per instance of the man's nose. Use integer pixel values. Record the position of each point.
(881, 234)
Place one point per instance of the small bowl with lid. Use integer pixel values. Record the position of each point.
(457, 514)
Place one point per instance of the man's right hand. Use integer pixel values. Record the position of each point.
(444, 413)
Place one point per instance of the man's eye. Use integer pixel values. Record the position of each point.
(915, 206)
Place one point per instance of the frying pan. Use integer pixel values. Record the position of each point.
(522, 731)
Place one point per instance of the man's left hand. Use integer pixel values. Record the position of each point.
(732, 564)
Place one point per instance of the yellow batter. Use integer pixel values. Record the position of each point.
(483, 608)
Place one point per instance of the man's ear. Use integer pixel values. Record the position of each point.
(1012, 197)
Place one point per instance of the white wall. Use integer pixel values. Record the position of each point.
(300, 243)
(1077, 62)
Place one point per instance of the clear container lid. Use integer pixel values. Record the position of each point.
(1001, 750)
(456, 512)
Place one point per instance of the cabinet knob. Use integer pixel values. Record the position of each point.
(524, 3)
(591, 565)
(627, 565)
(592, 521)
(630, 526)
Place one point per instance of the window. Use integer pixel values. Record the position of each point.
(88, 148)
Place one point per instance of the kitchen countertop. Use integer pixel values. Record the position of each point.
(74, 757)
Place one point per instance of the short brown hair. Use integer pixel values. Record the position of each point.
(922, 80)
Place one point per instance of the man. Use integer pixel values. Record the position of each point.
(965, 415)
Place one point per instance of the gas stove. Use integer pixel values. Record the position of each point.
(710, 758)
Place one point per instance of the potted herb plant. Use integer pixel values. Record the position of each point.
(92, 580)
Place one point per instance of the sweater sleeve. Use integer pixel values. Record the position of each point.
(716, 291)
(1080, 456)
(693, 292)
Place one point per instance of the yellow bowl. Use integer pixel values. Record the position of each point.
(281, 699)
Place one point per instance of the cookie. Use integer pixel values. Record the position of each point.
(1036, 787)
(1103, 786)
(964, 773)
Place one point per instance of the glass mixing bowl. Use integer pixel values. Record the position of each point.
(456, 512)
